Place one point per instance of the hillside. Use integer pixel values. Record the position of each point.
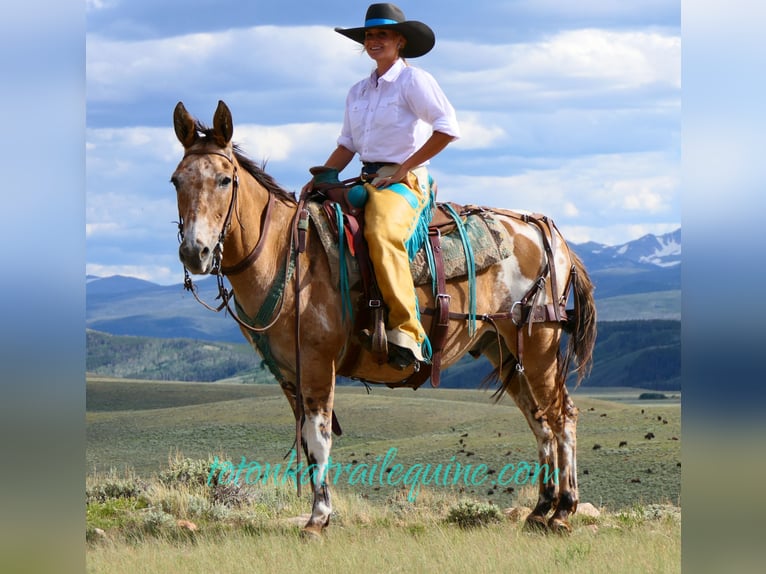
(171, 359)
(638, 354)
(645, 354)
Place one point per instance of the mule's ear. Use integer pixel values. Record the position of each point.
(223, 128)
(185, 126)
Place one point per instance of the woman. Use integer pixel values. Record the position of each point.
(396, 119)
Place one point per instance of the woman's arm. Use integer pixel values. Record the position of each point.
(338, 159)
(436, 143)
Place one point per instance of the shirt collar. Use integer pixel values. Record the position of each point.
(392, 73)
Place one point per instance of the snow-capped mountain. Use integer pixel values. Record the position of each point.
(648, 251)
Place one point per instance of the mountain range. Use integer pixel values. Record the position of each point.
(637, 280)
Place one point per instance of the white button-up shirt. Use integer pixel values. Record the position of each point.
(390, 118)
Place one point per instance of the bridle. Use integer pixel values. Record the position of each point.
(218, 269)
(218, 249)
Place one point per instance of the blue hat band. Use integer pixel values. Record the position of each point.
(372, 22)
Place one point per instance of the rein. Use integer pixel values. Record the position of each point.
(299, 226)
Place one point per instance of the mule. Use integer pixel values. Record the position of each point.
(236, 221)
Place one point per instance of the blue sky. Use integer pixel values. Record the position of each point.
(570, 109)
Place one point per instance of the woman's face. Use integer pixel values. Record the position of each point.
(382, 45)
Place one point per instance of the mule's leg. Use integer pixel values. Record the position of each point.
(546, 450)
(317, 442)
(559, 489)
(518, 385)
(565, 428)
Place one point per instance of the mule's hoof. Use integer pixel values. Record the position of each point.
(559, 526)
(311, 532)
(536, 523)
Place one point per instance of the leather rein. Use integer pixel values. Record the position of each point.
(299, 226)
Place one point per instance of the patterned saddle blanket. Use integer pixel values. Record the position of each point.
(489, 241)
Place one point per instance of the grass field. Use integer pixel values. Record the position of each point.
(138, 428)
(139, 425)
(411, 545)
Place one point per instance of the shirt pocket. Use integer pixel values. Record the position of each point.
(387, 113)
(357, 112)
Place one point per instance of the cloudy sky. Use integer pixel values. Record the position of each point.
(569, 108)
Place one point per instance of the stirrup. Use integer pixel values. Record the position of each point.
(379, 337)
(398, 357)
(376, 343)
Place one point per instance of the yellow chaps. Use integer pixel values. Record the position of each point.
(391, 216)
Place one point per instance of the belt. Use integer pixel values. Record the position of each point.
(373, 167)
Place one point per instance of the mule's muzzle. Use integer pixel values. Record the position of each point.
(197, 258)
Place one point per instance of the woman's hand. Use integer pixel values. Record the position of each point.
(399, 175)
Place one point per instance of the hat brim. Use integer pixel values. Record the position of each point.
(420, 38)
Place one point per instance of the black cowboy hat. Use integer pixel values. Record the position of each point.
(420, 38)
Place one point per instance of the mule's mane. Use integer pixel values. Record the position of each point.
(251, 167)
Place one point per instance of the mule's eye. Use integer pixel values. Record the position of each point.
(224, 181)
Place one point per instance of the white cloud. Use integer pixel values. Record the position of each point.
(619, 190)
(624, 59)
(570, 209)
(92, 5)
(93, 229)
(565, 67)
(260, 58)
(476, 133)
(107, 146)
(288, 141)
(648, 195)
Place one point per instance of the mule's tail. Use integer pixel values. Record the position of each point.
(581, 327)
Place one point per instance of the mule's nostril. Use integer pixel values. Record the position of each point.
(191, 254)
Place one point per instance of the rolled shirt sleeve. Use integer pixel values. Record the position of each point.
(429, 103)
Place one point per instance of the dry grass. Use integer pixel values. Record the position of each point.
(256, 528)
(184, 526)
(263, 536)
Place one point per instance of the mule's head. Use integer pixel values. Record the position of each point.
(204, 182)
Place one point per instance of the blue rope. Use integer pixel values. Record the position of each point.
(345, 291)
(471, 267)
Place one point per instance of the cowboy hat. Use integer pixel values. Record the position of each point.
(420, 38)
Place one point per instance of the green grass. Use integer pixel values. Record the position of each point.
(433, 548)
(262, 535)
(139, 485)
(425, 426)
